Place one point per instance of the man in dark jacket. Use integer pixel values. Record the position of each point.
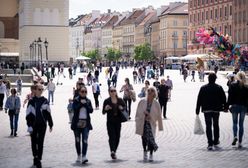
(163, 91)
(211, 99)
(38, 114)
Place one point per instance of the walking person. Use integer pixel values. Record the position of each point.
(211, 100)
(51, 89)
(53, 71)
(2, 93)
(193, 75)
(148, 114)
(185, 74)
(96, 92)
(113, 106)
(114, 79)
(238, 99)
(127, 88)
(135, 76)
(81, 123)
(19, 85)
(170, 84)
(13, 105)
(163, 92)
(144, 89)
(70, 72)
(37, 115)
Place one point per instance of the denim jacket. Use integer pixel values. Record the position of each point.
(13, 106)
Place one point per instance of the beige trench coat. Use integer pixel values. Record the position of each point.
(155, 115)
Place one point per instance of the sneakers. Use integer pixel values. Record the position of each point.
(235, 140)
(145, 156)
(151, 158)
(79, 158)
(210, 147)
(11, 133)
(240, 145)
(15, 133)
(113, 155)
(84, 160)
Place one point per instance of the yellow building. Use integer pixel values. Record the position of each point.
(174, 30)
(47, 20)
(117, 34)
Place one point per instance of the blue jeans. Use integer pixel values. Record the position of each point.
(50, 94)
(13, 118)
(85, 134)
(238, 111)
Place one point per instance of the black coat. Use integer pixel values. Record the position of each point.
(211, 98)
(238, 94)
(77, 105)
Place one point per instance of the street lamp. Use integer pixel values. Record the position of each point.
(46, 45)
(30, 47)
(39, 49)
(35, 56)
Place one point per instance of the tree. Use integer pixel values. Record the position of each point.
(143, 52)
(113, 54)
(93, 54)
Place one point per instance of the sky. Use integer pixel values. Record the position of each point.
(78, 7)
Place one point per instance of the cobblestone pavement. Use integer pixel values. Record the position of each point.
(178, 146)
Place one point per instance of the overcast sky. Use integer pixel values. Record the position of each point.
(78, 7)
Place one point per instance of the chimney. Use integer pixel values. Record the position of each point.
(109, 11)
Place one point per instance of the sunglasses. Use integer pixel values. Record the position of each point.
(147, 83)
(40, 89)
(112, 91)
(83, 91)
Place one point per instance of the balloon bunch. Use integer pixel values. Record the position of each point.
(220, 43)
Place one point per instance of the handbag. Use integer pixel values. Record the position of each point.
(124, 116)
(81, 123)
(198, 129)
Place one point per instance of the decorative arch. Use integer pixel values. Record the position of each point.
(2, 30)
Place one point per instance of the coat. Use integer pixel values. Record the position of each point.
(155, 117)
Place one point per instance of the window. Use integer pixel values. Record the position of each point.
(175, 43)
(230, 30)
(216, 13)
(211, 14)
(184, 43)
(203, 16)
(220, 12)
(184, 33)
(225, 11)
(230, 10)
(175, 33)
(206, 15)
(174, 23)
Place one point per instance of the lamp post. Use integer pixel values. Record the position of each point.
(30, 47)
(35, 56)
(40, 50)
(46, 45)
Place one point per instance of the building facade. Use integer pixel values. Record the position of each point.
(240, 15)
(47, 20)
(209, 13)
(174, 30)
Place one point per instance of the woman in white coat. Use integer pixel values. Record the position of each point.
(148, 113)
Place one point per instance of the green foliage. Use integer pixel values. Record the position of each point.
(93, 54)
(143, 52)
(113, 54)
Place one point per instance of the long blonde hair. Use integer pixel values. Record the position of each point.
(241, 78)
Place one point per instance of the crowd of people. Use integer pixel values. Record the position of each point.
(152, 107)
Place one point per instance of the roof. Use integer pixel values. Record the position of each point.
(121, 19)
(133, 17)
(111, 22)
(148, 18)
(175, 9)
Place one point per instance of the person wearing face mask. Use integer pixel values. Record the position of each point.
(113, 106)
(38, 113)
(81, 123)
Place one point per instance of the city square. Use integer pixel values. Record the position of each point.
(67, 49)
(178, 146)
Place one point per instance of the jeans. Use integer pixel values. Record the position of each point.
(50, 94)
(13, 118)
(163, 104)
(96, 95)
(114, 133)
(84, 132)
(128, 103)
(238, 116)
(212, 118)
(37, 141)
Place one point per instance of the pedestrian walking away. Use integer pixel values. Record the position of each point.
(170, 84)
(51, 89)
(238, 102)
(37, 115)
(96, 92)
(70, 110)
(113, 107)
(211, 100)
(81, 123)
(2, 93)
(19, 85)
(127, 89)
(13, 105)
(148, 114)
(163, 91)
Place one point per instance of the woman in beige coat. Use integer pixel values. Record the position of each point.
(148, 113)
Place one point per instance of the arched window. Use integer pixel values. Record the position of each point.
(2, 31)
(46, 17)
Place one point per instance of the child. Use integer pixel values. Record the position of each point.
(70, 110)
